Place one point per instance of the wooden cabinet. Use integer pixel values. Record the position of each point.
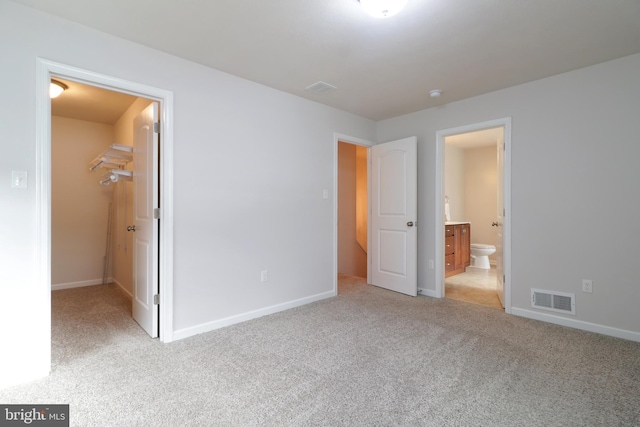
(457, 248)
(449, 251)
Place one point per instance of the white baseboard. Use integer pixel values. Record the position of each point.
(427, 292)
(79, 284)
(577, 324)
(122, 289)
(228, 321)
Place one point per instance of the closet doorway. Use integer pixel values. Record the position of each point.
(47, 70)
(95, 202)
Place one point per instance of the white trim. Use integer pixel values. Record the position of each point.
(577, 324)
(122, 289)
(439, 192)
(243, 317)
(337, 137)
(45, 69)
(79, 284)
(427, 292)
(43, 211)
(352, 140)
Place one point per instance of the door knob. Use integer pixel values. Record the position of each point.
(494, 224)
(410, 224)
(131, 228)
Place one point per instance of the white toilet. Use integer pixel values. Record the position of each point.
(480, 255)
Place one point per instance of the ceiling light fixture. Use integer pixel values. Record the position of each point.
(56, 88)
(382, 8)
(435, 93)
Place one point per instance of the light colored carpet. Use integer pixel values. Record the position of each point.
(368, 357)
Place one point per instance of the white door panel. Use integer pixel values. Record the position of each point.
(141, 262)
(394, 216)
(392, 246)
(145, 185)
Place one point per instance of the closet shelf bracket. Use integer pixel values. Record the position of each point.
(114, 157)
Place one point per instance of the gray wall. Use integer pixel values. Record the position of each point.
(574, 187)
(250, 166)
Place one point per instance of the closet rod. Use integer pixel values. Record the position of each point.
(115, 175)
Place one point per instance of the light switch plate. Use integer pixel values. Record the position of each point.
(18, 179)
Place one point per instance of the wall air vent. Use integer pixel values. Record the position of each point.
(321, 88)
(560, 302)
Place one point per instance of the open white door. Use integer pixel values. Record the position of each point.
(394, 207)
(145, 228)
(498, 223)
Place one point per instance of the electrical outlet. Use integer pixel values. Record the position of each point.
(587, 285)
(264, 276)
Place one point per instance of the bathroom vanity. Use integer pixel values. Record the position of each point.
(457, 247)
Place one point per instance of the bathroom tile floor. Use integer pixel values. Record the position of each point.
(475, 285)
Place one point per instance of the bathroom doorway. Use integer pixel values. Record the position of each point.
(473, 193)
(470, 187)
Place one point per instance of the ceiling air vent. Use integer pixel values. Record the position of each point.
(559, 302)
(321, 88)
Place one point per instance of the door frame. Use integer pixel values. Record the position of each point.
(45, 70)
(338, 137)
(439, 202)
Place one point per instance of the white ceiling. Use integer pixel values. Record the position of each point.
(381, 67)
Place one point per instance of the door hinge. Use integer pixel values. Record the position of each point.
(156, 127)
(156, 299)
(504, 278)
(156, 213)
